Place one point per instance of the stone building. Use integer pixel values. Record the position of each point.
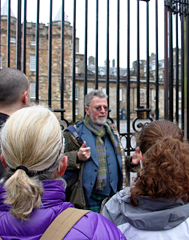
(79, 64)
(122, 91)
(43, 57)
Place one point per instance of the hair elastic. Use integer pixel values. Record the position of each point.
(165, 138)
(22, 168)
(35, 173)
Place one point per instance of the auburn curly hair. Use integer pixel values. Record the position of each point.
(165, 171)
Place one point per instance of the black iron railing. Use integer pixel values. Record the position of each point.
(174, 67)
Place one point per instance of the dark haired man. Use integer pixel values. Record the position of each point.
(14, 95)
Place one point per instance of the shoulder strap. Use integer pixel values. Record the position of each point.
(63, 224)
(74, 132)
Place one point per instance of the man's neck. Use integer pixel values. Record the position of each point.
(9, 109)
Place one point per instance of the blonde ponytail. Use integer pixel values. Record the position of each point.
(23, 194)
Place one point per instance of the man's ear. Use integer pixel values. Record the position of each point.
(3, 161)
(24, 97)
(87, 110)
(62, 167)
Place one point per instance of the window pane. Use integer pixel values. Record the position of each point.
(1, 62)
(13, 40)
(120, 95)
(32, 90)
(32, 62)
(89, 90)
(76, 93)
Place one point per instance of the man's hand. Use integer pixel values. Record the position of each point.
(84, 153)
(136, 156)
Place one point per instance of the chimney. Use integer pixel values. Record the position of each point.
(113, 62)
(77, 45)
(91, 60)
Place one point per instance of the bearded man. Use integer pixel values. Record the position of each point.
(100, 160)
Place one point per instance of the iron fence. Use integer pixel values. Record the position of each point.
(176, 57)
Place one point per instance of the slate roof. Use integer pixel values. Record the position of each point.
(58, 17)
(112, 70)
(4, 10)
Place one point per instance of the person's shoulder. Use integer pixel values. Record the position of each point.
(115, 208)
(73, 126)
(3, 118)
(78, 124)
(121, 197)
(96, 226)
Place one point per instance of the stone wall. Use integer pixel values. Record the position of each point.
(44, 60)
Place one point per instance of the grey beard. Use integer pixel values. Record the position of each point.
(96, 121)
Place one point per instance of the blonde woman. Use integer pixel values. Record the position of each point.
(33, 192)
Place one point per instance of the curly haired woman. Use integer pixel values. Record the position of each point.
(156, 207)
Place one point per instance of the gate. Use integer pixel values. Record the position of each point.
(141, 84)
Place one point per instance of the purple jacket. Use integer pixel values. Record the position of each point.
(91, 226)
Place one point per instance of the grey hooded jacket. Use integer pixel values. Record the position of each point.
(150, 215)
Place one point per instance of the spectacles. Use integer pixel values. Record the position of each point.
(99, 108)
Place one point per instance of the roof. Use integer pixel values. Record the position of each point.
(4, 10)
(112, 70)
(58, 17)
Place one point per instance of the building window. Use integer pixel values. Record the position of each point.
(89, 90)
(104, 90)
(32, 62)
(76, 60)
(76, 112)
(180, 96)
(180, 59)
(33, 43)
(1, 62)
(120, 95)
(13, 40)
(76, 93)
(114, 72)
(76, 70)
(102, 72)
(153, 95)
(32, 90)
(142, 96)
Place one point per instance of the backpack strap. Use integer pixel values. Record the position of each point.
(63, 223)
(74, 132)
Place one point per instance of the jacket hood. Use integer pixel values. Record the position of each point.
(150, 215)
